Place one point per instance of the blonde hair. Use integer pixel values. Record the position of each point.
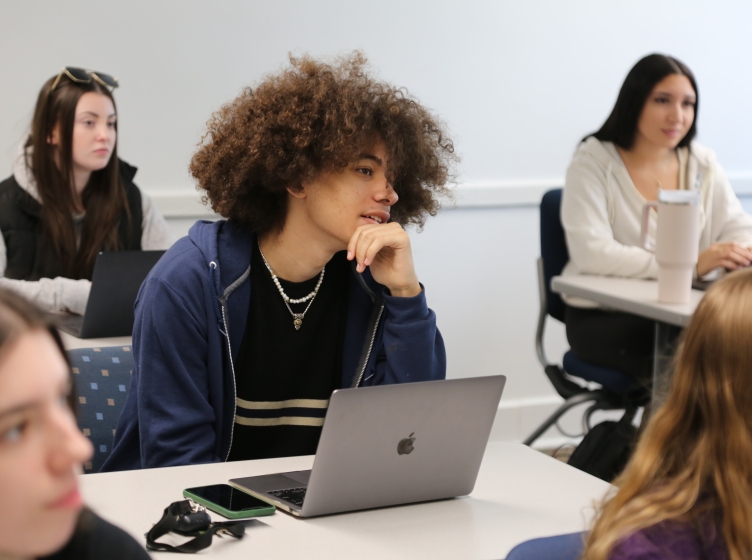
(693, 463)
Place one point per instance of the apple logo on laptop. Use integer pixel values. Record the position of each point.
(405, 446)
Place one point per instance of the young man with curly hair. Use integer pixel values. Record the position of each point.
(246, 326)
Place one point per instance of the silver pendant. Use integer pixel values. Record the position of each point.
(297, 320)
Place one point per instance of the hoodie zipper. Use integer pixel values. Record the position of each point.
(232, 364)
(226, 333)
(370, 347)
(232, 368)
(223, 309)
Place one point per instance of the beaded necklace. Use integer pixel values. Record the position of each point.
(297, 318)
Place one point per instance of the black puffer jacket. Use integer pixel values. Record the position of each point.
(29, 256)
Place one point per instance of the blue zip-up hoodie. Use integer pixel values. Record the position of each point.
(191, 314)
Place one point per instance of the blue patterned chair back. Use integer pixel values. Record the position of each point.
(103, 378)
(560, 547)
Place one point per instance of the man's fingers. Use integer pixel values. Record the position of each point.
(352, 246)
(368, 240)
(369, 244)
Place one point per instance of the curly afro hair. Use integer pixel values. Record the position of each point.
(315, 117)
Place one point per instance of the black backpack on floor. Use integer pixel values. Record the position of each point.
(606, 448)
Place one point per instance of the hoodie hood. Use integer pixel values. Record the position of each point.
(696, 171)
(697, 158)
(226, 248)
(22, 171)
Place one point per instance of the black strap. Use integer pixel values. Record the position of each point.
(180, 517)
(366, 288)
(373, 324)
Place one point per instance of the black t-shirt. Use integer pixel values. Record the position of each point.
(284, 377)
(96, 539)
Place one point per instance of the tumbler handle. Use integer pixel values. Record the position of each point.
(644, 225)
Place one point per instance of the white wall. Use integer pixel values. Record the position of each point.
(517, 82)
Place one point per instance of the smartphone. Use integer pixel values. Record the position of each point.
(229, 501)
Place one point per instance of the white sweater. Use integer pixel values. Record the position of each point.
(601, 211)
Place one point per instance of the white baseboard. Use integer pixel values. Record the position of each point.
(174, 203)
(186, 203)
(516, 419)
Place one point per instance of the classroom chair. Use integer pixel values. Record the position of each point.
(617, 390)
(102, 377)
(560, 547)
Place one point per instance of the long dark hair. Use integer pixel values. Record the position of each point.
(621, 125)
(104, 196)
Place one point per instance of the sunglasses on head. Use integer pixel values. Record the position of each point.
(84, 76)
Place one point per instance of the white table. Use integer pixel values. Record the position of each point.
(520, 494)
(631, 295)
(639, 297)
(71, 342)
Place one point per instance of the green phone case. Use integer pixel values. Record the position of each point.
(259, 512)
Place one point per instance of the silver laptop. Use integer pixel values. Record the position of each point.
(390, 445)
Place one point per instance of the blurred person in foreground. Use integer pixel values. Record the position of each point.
(687, 492)
(42, 449)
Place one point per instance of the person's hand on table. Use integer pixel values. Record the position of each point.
(728, 255)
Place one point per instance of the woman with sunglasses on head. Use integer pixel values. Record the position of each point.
(70, 197)
(41, 449)
(646, 144)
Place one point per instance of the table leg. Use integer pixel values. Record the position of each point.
(664, 347)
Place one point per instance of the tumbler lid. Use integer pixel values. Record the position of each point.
(678, 197)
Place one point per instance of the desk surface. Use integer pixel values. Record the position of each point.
(628, 294)
(520, 494)
(71, 342)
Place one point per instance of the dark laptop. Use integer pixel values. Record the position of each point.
(117, 277)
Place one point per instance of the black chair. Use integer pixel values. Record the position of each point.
(618, 390)
(102, 377)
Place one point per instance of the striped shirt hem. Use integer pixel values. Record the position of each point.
(280, 421)
(274, 405)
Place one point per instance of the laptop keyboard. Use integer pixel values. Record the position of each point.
(292, 495)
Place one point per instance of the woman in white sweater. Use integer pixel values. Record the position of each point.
(646, 144)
